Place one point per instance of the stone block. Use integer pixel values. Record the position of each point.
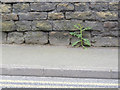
(36, 37)
(105, 41)
(43, 6)
(21, 7)
(5, 8)
(8, 17)
(8, 26)
(65, 24)
(96, 33)
(81, 6)
(3, 37)
(42, 25)
(15, 37)
(94, 25)
(55, 15)
(33, 16)
(111, 33)
(110, 24)
(59, 38)
(113, 5)
(99, 6)
(65, 7)
(80, 15)
(102, 16)
(23, 25)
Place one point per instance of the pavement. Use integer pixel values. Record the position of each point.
(56, 82)
(59, 61)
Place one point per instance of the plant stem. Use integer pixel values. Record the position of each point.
(81, 38)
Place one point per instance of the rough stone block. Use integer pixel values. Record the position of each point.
(107, 15)
(21, 7)
(111, 33)
(99, 6)
(15, 37)
(113, 5)
(41, 25)
(81, 6)
(33, 16)
(110, 25)
(9, 17)
(59, 38)
(80, 15)
(65, 24)
(23, 25)
(36, 37)
(94, 25)
(96, 33)
(5, 8)
(8, 26)
(55, 15)
(3, 37)
(43, 6)
(105, 41)
(65, 7)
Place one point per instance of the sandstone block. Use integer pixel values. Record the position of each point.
(81, 6)
(5, 8)
(55, 15)
(8, 17)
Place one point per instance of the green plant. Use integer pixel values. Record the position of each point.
(82, 41)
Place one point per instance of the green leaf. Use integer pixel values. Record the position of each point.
(76, 27)
(75, 43)
(79, 35)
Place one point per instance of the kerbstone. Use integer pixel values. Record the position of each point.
(36, 37)
(8, 26)
(33, 16)
(99, 6)
(5, 8)
(15, 37)
(80, 15)
(113, 5)
(21, 7)
(81, 6)
(23, 25)
(107, 15)
(42, 25)
(65, 24)
(43, 6)
(65, 7)
(59, 38)
(105, 41)
(55, 15)
(11, 16)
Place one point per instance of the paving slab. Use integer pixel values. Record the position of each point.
(59, 61)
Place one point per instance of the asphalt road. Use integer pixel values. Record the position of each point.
(55, 82)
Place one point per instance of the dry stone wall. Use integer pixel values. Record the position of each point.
(39, 22)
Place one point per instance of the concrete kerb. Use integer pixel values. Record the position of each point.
(70, 72)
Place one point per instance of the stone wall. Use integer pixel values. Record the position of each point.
(39, 22)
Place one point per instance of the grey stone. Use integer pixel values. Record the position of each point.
(111, 33)
(110, 25)
(65, 24)
(5, 8)
(23, 25)
(21, 7)
(36, 37)
(113, 5)
(41, 25)
(99, 6)
(11, 16)
(81, 6)
(15, 37)
(8, 26)
(55, 15)
(59, 38)
(87, 15)
(102, 16)
(105, 41)
(65, 7)
(95, 25)
(96, 33)
(3, 37)
(33, 16)
(43, 6)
